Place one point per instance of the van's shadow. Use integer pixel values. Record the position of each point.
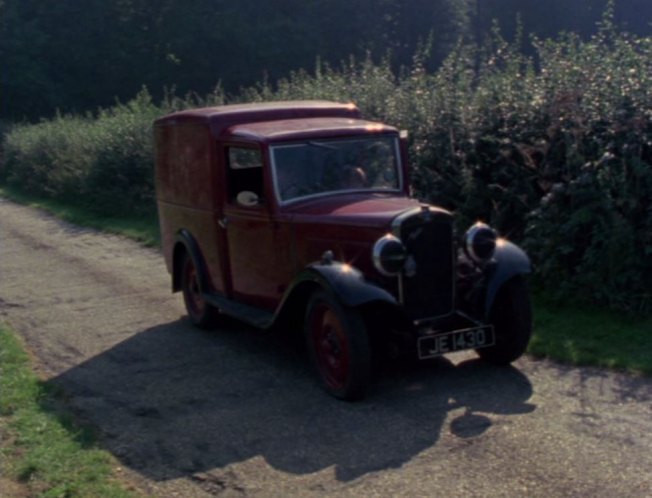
(173, 401)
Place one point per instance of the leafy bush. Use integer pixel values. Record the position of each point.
(120, 176)
(103, 162)
(591, 232)
(554, 150)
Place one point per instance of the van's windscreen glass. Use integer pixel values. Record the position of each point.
(319, 167)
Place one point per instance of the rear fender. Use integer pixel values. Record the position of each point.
(186, 244)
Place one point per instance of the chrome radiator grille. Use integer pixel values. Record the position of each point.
(429, 277)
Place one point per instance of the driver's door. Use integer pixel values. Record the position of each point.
(256, 244)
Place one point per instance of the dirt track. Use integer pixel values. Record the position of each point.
(235, 412)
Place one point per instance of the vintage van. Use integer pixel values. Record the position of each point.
(301, 211)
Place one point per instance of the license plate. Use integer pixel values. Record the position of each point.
(458, 340)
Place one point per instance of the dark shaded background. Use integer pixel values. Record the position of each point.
(75, 55)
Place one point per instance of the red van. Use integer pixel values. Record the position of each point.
(302, 210)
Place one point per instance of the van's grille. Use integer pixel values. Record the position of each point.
(428, 281)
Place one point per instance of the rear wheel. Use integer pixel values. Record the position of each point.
(199, 311)
(511, 316)
(338, 344)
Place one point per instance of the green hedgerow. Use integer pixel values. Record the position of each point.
(555, 150)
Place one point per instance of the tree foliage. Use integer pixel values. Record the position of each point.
(75, 55)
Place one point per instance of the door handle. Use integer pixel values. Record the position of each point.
(223, 222)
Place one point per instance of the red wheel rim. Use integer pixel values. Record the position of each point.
(194, 299)
(331, 346)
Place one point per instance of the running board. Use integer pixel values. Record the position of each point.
(251, 315)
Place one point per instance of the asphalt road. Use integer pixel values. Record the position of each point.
(236, 412)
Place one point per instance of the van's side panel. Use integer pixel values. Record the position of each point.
(188, 193)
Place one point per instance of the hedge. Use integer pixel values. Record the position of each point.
(555, 150)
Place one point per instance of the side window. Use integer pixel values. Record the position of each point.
(245, 176)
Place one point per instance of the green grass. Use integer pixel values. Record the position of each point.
(142, 229)
(582, 336)
(44, 452)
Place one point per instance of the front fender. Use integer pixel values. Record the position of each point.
(346, 282)
(509, 260)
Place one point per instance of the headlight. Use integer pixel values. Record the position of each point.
(389, 255)
(480, 242)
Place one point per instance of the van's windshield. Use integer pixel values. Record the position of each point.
(319, 167)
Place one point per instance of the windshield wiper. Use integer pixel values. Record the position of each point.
(322, 145)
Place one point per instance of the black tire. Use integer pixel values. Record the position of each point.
(201, 313)
(511, 316)
(338, 344)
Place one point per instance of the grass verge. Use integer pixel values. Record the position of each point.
(142, 229)
(582, 336)
(43, 452)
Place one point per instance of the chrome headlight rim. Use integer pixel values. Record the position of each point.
(480, 242)
(389, 255)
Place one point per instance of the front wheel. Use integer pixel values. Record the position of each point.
(199, 311)
(338, 344)
(511, 316)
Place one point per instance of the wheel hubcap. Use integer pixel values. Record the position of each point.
(194, 297)
(331, 347)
